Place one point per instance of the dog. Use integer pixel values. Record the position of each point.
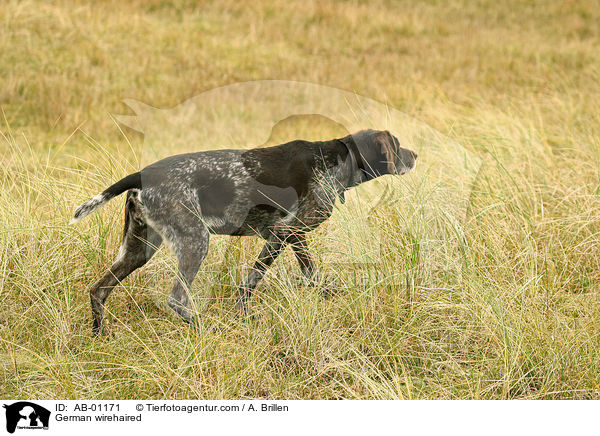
(278, 193)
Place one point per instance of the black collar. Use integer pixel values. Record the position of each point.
(353, 150)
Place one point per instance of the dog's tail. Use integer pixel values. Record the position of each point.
(132, 181)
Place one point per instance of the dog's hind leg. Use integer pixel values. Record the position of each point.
(274, 246)
(190, 246)
(140, 242)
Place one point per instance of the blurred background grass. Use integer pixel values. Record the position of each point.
(514, 82)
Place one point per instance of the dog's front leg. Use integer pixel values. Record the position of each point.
(267, 256)
(307, 265)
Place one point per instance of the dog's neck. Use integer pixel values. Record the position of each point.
(352, 171)
(355, 153)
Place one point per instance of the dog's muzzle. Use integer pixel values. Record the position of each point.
(406, 162)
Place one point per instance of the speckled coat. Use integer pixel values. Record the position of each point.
(278, 193)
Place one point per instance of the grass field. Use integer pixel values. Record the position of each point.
(515, 83)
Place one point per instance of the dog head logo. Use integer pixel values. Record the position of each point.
(26, 415)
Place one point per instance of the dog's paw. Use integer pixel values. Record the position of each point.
(329, 290)
(103, 332)
(194, 323)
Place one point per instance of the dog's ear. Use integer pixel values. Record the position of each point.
(388, 152)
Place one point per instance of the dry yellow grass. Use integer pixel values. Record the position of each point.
(517, 84)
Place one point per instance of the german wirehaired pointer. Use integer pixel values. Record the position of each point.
(278, 193)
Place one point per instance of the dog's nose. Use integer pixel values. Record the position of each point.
(414, 155)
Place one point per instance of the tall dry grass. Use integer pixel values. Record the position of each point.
(516, 84)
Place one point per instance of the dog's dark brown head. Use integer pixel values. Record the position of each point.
(382, 154)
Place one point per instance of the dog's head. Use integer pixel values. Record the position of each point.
(382, 153)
